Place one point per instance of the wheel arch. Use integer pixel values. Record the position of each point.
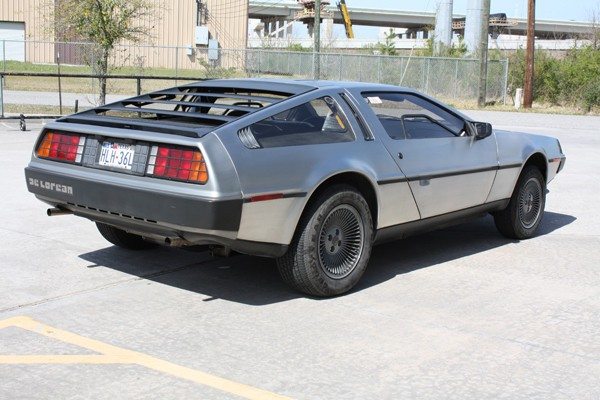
(538, 160)
(355, 179)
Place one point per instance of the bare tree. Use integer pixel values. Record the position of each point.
(105, 23)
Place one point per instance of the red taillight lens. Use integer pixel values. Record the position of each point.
(66, 147)
(177, 163)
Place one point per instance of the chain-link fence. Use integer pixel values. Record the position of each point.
(445, 78)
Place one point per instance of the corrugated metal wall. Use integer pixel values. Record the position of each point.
(173, 25)
(34, 14)
(228, 22)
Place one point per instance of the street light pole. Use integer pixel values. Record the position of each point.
(317, 40)
(529, 56)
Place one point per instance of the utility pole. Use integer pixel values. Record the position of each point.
(317, 41)
(529, 56)
(483, 53)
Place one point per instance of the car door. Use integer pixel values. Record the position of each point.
(447, 168)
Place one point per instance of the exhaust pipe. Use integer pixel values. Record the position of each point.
(175, 242)
(51, 212)
(219, 251)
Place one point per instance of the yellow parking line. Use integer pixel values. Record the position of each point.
(116, 355)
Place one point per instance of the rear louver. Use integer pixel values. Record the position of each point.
(189, 110)
(248, 139)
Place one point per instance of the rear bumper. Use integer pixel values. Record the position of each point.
(149, 213)
(195, 213)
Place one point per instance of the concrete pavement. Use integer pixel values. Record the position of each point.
(461, 313)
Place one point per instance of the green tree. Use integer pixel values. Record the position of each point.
(105, 23)
(388, 48)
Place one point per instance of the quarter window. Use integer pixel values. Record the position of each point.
(316, 122)
(406, 116)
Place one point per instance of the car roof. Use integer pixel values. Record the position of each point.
(295, 86)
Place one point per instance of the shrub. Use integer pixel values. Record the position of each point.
(573, 80)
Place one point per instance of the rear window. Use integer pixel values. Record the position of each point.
(316, 122)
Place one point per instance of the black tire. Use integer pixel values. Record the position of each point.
(123, 239)
(522, 216)
(332, 245)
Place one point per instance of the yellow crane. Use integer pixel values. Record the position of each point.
(346, 17)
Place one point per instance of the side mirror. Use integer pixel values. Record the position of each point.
(481, 130)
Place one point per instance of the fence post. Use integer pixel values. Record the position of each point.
(1, 96)
(60, 107)
(259, 67)
(138, 85)
(4, 55)
(176, 64)
(505, 91)
(360, 68)
(427, 75)
(456, 78)
(341, 68)
(379, 69)
(402, 62)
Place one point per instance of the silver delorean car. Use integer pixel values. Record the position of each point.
(312, 173)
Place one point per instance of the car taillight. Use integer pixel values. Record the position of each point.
(177, 163)
(66, 147)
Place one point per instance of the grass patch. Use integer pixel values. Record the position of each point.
(31, 109)
(85, 85)
(115, 86)
(537, 108)
(201, 73)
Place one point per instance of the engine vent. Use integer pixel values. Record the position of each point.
(248, 138)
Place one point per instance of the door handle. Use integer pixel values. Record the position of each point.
(400, 156)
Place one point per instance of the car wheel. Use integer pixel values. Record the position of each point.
(123, 239)
(332, 245)
(522, 216)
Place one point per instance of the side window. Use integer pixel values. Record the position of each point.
(406, 116)
(316, 122)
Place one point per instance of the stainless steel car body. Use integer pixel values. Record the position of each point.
(412, 182)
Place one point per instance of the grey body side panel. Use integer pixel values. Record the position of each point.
(444, 174)
(301, 169)
(514, 149)
(448, 174)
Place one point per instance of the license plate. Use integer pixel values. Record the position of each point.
(116, 155)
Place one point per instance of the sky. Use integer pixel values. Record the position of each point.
(577, 10)
(574, 10)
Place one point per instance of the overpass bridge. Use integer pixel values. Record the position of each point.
(414, 20)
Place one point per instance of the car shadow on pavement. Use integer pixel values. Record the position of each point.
(436, 247)
(255, 281)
